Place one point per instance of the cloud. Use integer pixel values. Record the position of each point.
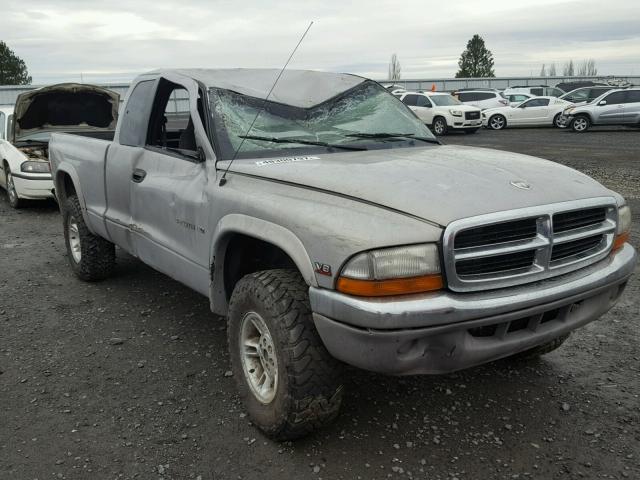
(62, 39)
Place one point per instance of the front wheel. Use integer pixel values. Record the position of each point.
(440, 126)
(497, 122)
(287, 379)
(556, 121)
(12, 194)
(581, 124)
(91, 257)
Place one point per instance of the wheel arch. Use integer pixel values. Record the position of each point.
(67, 183)
(241, 245)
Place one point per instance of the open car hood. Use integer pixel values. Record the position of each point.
(65, 107)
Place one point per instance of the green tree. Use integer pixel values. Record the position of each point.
(476, 61)
(13, 70)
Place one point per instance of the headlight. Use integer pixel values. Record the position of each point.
(623, 228)
(35, 167)
(455, 113)
(392, 271)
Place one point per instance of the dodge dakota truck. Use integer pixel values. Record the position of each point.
(83, 109)
(329, 226)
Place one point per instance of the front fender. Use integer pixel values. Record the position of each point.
(262, 230)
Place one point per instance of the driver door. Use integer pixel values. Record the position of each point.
(169, 180)
(534, 111)
(612, 111)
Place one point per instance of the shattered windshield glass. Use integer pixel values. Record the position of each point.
(364, 117)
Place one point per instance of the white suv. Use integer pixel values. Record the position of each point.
(442, 112)
(482, 98)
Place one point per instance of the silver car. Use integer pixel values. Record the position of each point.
(617, 107)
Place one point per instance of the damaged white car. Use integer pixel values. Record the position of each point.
(25, 172)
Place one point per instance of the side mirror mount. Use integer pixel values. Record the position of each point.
(602, 102)
(202, 157)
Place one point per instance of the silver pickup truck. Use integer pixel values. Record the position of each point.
(329, 226)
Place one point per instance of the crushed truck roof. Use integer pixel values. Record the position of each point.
(298, 88)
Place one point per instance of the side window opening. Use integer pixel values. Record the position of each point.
(2, 129)
(171, 125)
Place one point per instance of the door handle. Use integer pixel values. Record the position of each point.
(138, 175)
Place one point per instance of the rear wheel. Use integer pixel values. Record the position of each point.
(91, 257)
(497, 122)
(581, 123)
(12, 194)
(288, 381)
(440, 126)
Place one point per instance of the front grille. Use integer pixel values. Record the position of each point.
(471, 115)
(496, 264)
(565, 221)
(577, 247)
(527, 245)
(497, 233)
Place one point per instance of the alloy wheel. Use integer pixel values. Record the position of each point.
(258, 355)
(74, 240)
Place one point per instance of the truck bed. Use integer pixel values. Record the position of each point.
(84, 153)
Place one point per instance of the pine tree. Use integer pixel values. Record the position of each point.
(552, 70)
(13, 70)
(476, 61)
(543, 70)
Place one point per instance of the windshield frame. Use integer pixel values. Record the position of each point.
(226, 151)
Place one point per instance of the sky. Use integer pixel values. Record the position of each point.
(95, 41)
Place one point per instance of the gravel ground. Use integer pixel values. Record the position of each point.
(129, 378)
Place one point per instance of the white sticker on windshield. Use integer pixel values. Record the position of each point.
(275, 161)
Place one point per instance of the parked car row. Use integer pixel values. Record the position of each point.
(578, 109)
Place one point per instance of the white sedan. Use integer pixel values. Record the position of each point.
(537, 111)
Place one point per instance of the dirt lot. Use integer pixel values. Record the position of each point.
(127, 378)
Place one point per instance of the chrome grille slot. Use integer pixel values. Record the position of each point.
(577, 219)
(576, 247)
(497, 233)
(526, 245)
(496, 264)
(471, 115)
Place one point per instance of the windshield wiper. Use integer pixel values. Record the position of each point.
(383, 135)
(300, 141)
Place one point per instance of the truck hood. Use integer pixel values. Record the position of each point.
(65, 107)
(439, 184)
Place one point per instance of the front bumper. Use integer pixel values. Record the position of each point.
(33, 186)
(445, 331)
(463, 124)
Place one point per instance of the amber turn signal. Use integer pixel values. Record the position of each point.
(619, 241)
(385, 288)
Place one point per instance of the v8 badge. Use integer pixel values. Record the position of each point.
(322, 268)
